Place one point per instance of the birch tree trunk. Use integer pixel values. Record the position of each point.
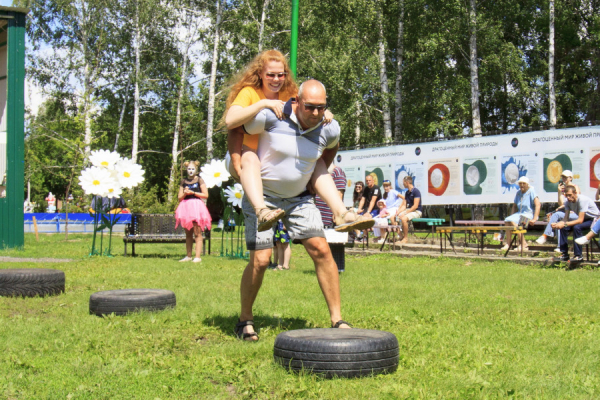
(211, 89)
(383, 80)
(122, 114)
(136, 93)
(357, 127)
(551, 87)
(399, 61)
(262, 25)
(176, 130)
(87, 113)
(475, 116)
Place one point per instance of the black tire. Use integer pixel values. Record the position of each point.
(333, 352)
(121, 302)
(31, 282)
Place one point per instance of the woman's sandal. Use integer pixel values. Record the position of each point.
(267, 218)
(341, 322)
(360, 223)
(239, 331)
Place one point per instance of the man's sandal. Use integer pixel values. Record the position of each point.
(341, 322)
(360, 223)
(239, 331)
(267, 218)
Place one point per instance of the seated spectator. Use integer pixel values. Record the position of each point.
(371, 194)
(381, 219)
(412, 207)
(559, 213)
(586, 211)
(357, 195)
(526, 206)
(393, 199)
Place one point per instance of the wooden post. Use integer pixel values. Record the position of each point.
(37, 237)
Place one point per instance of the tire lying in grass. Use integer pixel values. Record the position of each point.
(31, 282)
(333, 352)
(121, 302)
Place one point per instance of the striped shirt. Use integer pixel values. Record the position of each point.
(339, 177)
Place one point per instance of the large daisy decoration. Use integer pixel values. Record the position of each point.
(96, 181)
(105, 179)
(129, 174)
(214, 173)
(234, 195)
(104, 158)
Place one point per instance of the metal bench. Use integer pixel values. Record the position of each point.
(157, 228)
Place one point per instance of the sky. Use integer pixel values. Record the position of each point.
(6, 3)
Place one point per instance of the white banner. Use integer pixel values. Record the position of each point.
(482, 170)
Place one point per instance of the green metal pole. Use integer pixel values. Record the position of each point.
(294, 41)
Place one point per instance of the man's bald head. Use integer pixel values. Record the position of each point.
(312, 102)
(311, 84)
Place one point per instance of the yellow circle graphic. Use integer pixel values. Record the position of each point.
(554, 171)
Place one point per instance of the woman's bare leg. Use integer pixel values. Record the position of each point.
(251, 180)
(324, 185)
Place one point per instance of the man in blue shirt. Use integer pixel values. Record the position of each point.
(411, 208)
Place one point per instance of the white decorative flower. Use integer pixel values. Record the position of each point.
(214, 173)
(234, 195)
(129, 174)
(114, 189)
(96, 181)
(104, 158)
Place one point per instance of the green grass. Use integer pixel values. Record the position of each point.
(466, 329)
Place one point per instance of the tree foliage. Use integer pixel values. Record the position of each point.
(338, 44)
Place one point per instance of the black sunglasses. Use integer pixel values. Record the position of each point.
(311, 108)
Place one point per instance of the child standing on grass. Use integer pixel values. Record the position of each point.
(191, 212)
(284, 250)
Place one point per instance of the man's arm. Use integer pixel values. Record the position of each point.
(415, 205)
(371, 204)
(329, 154)
(565, 222)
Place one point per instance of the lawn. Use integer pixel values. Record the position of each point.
(466, 329)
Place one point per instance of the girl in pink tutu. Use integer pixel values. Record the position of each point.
(191, 212)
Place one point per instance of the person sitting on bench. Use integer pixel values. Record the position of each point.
(526, 201)
(411, 208)
(586, 210)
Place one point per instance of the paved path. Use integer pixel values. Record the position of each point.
(47, 260)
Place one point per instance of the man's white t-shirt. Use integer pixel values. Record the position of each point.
(288, 154)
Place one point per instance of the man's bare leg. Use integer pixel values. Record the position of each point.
(404, 220)
(251, 282)
(327, 275)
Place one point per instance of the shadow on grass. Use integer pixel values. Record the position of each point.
(227, 323)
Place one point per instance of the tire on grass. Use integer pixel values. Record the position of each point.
(124, 301)
(31, 282)
(330, 352)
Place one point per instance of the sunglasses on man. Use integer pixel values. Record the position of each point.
(312, 107)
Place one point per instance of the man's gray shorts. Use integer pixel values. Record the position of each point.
(302, 220)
